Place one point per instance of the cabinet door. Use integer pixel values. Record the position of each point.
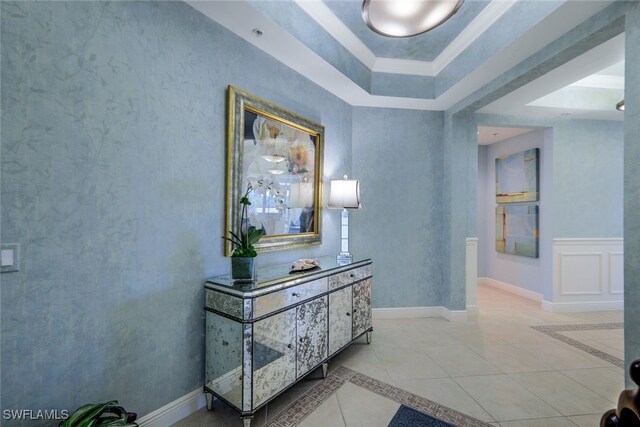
(340, 319)
(311, 325)
(224, 358)
(361, 307)
(274, 355)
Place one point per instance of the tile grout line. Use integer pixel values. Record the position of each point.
(553, 332)
(474, 399)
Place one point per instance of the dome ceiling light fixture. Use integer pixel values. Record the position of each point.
(406, 18)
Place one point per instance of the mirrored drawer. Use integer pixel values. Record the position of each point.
(278, 300)
(350, 276)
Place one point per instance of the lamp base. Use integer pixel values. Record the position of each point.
(344, 258)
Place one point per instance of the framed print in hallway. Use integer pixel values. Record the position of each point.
(517, 230)
(517, 177)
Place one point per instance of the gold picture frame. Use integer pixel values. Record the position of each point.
(279, 154)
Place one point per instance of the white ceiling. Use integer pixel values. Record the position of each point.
(489, 134)
(587, 87)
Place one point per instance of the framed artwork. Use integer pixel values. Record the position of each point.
(517, 177)
(517, 230)
(277, 155)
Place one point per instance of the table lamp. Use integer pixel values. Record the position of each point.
(344, 194)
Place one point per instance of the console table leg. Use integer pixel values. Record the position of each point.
(246, 421)
(209, 397)
(325, 369)
(369, 336)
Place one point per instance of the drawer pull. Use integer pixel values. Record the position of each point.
(224, 342)
(295, 294)
(289, 346)
(352, 275)
(301, 339)
(348, 314)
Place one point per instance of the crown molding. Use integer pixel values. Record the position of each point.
(320, 13)
(485, 19)
(403, 66)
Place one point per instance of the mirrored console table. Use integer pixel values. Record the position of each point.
(264, 336)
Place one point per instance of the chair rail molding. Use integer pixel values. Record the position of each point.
(588, 274)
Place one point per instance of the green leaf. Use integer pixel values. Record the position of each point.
(84, 415)
(244, 252)
(112, 422)
(235, 235)
(253, 235)
(245, 201)
(234, 241)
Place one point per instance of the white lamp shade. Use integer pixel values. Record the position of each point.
(344, 194)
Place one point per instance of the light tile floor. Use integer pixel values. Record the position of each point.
(494, 367)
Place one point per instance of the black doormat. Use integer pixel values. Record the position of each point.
(407, 417)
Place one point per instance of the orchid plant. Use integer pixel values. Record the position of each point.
(246, 237)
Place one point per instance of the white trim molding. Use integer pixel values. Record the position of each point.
(174, 411)
(325, 17)
(415, 312)
(512, 289)
(485, 19)
(471, 275)
(588, 275)
(576, 307)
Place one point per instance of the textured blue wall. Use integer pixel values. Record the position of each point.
(632, 189)
(113, 165)
(459, 186)
(397, 156)
(588, 178)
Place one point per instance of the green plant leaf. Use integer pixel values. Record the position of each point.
(235, 235)
(111, 422)
(253, 235)
(84, 415)
(244, 252)
(235, 241)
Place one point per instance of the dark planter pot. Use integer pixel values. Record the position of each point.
(243, 269)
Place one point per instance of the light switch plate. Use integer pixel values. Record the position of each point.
(10, 252)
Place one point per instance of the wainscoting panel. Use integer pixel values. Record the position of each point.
(587, 275)
(616, 270)
(580, 273)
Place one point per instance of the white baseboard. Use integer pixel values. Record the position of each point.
(413, 312)
(174, 411)
(512, 289)
(472, 310)
(455, 315)
(576, 307)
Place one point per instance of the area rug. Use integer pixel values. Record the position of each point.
(314, 397)
(555, 331)
(407, 417)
